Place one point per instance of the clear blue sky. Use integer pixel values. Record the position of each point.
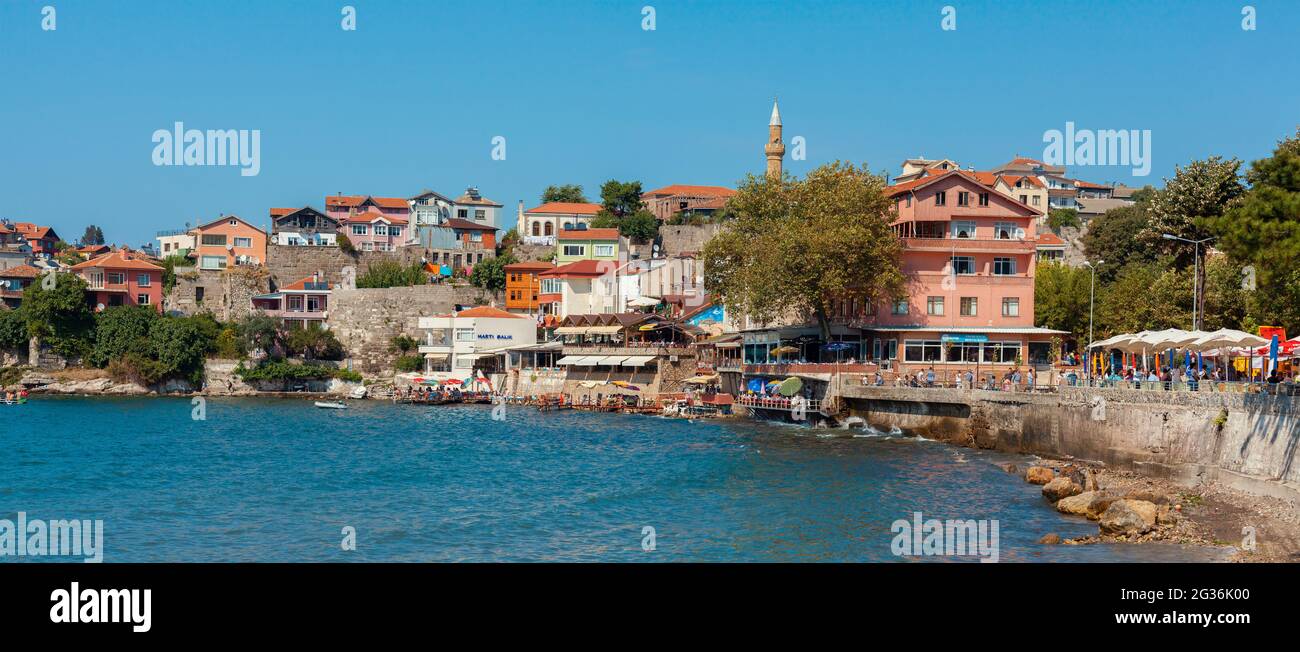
(413, 97)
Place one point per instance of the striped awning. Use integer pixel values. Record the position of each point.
(572, 330)
(638, 360)
(604, 330)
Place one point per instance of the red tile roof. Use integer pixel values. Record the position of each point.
(20, 271)
(458, 223)
(117, 260)
(566, 208)
(486, 311)
(1011, 180)
(352, 201)
(582, 268)
(1049, 239)
(32, 231)
(301, 285)
(694, 191)
(280, 212)
(588, 234)
(1087, 184)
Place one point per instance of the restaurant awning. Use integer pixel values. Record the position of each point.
(604, 330)
(568, 359)
(435, 356)
(614, 360)
(701, 380)
(638, 360)
(572, 330)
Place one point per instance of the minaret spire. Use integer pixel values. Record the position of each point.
(775, 148)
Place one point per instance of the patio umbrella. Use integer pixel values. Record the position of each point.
(1226, 337)
(453, 381)
(782, 350)
(755, 385)
(790, 386)
(625, 385)
(837, 346)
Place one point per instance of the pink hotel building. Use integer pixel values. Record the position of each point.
(968, 253)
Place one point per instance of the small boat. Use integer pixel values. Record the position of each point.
(19, 401)
(331, 405)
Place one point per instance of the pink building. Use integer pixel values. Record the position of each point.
(298, 304)
(121, 278)
(340, 207)
(374, 231)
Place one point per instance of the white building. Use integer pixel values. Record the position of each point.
(452, 343)
(540, 225)
(175, 242)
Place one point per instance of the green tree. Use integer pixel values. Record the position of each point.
(345, 244)
(620, 198)
(1145, 296)
(169, 265)
(641, 225)
(93, 235)
(403, 344)
(491, 273)
(1198, 194)
(389, 274)
(180, 346)
(1263, 230)
(566, 193)
(797, 246)
(259, 331)
(314, 343)
(1059, 218)
(13, 329)
(1061, 298)
(120, 330)
(1110, 238)
(60, 315)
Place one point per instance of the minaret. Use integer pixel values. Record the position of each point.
(775, 148)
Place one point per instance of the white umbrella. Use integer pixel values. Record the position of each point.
(1226, 337)
(1114, 342)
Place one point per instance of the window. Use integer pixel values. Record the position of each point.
(480, 215)
(963, 229)
(367, 246)
(142, 299)
(962, 352)
(1035, 198)
(909, 200)
(198, 294)
(1004, 266)
(550, 286)
(142, 280)
(1024, 199)
(934, 305)
(963, 264)
(575, 250)
(232, 223)
(212, 262)
(537, 228)
(900, 307)
(923, 351)
(360, 229)
(476, 236)
(395, 231)
(295, 303)
(963, 198)
(381, 229)
(1003, 352)
(462, 213)
(984, 199)
(116, 300)
(606, 251)
(969, 306)
(940, 198)
(550, 229)
(1010, 307)
(1006, 231)
(116, 278)
(464, 335)
(214, 240)
(315, 304)
(244, 242)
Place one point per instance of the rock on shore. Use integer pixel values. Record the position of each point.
(1039, 475)
(1061, 487)
(1128, 517)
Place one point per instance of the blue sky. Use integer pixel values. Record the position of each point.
(414, 96)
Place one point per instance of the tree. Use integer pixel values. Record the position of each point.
(403, 344)
(180, 346)
(92, 236)
(60, 315)
(389, 273)
(259, 331)
(314, 343)
(120, 330)
(491, 273)
(1263, 231)
(345, 244)
(566, 193)
(797, 246)
(1198, 194)
(169, 265)
(1061, 298)
(13, 328)
(1111, 238)
(620, 198)
(1145, 296)
(641, 225)
(1059, 218)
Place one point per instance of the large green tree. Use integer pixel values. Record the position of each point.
(620, 198)
(1111, 238)
(1061, 298)
(797, 246)
(121, 330)
(92, 236)
(1198, 193)
(1262, 230)
(1145, 296)
(565, 193)
(60, 314)
(491, 273)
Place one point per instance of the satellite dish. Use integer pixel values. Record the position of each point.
(99, 307)
(230, 247)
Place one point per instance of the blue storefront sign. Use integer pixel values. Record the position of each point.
(964, 338)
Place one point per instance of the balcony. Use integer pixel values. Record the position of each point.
(970, 245)
(634, 348)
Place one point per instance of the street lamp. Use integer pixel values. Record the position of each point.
(1196, 277)
(1092, 297)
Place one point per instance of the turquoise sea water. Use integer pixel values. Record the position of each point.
(278, 480)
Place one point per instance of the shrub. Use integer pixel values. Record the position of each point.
(388, 274)
(136, 368)
(13, 329)
(121, 330)
(409, 363)
(228, 344)
(314, 343)
(345, 244)
(1062, 217)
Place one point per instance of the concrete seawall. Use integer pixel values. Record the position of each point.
(1248, 441)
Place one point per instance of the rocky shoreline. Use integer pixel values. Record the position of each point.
(1131, 508)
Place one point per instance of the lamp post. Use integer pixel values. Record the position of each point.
(1092, 298)
(1196, 276)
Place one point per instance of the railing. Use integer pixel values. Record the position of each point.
(172, 232)
(968, 244)
(809, 368)
(632, 348)
(777, 403)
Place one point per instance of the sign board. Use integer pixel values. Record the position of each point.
(964, 337)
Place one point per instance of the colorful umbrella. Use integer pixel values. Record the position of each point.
(790, 386)
(782, 350)
(453, 381)
(837, 346)
(625, 385)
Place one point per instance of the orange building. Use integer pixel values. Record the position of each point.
(524, 286)
(226, 242)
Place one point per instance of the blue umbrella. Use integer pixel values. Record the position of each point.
(837, 346)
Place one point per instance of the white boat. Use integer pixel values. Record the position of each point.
(331, 405)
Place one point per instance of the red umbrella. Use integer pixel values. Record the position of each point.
(452, 381)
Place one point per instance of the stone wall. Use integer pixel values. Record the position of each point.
(288, 263)
(674, 240)
(1251, 441)
(227, 294)
(366, 320)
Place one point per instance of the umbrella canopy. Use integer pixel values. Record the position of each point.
(755, 385)
(643, 302)
(623, 384)
(782, 350)
(701, 380)
(1226, 337)
(1167, 338)
(1117, 341)
(790, 386)
(453, 381)
(837, 346)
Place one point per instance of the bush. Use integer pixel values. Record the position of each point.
(388, 274)
(228, 344)
(345, 244)
(314, 343)
(403, 344)
(13, 329)
(180, 345)
(491, 273)
(1059, 218)
(121, 330)
(279, 370)
(136, 368)
(409, 363)
(348, 375)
